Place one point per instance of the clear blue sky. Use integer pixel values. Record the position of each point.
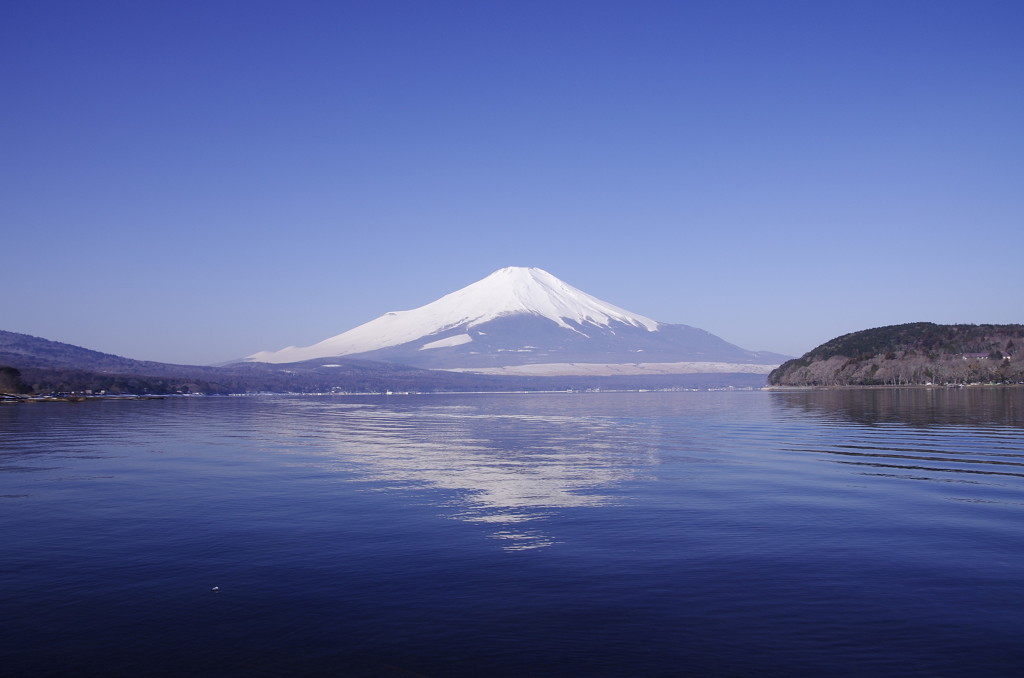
(196, 181)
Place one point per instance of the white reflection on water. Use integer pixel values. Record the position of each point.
(502, 470)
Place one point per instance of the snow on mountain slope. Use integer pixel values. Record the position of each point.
(507, 292)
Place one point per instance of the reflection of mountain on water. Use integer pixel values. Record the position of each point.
(913, 406)
(967, 435)
(500, 469)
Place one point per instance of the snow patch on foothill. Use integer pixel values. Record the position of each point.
(457, 340)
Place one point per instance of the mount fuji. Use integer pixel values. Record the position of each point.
(525, 321)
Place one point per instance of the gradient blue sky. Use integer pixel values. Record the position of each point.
(196, 181)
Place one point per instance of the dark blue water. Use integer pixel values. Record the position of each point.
(864, 533)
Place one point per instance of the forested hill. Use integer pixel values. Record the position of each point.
(914, 353)
(34, 364)
(23, 350)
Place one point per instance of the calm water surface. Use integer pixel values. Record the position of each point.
(863, 533)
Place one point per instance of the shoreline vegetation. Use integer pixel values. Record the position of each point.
(913, 354)
(7, 398)
(890, 387)
(72, 398)
(350, 378)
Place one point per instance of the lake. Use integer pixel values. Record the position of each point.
(835, 533)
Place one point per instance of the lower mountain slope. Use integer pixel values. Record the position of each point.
(34, 365)
(533, 340)
(912, 353)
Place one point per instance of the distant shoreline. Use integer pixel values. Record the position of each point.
(886, 387)
(17, 398)
(9, 398)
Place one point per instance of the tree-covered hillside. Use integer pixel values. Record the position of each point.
(914, 353)
(45, 366)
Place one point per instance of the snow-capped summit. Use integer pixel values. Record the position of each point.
(517, 289)
(517, 316)
(508, 291)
